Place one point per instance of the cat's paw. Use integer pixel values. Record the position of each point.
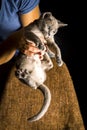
(59, 61)
(21, 74)
(51, 54)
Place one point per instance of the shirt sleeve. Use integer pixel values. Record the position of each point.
(24, 6)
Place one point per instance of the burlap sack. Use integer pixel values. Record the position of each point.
(18, 102)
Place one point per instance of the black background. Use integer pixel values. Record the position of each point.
(72, 41)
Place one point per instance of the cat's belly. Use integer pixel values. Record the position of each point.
(38, 75)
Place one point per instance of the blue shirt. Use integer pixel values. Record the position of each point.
(9, 15)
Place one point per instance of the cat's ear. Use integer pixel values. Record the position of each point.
(62, 24)
(46, 15)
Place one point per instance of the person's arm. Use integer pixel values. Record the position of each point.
(30, 17)
(9, 46)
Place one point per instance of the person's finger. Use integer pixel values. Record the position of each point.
(28, 53)
(33, 49)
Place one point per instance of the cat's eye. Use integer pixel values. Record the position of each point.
(55, 31)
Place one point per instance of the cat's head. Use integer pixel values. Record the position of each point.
(51, 23)
(50, 19)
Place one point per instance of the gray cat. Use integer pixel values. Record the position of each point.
(42, 32)
(32, 70)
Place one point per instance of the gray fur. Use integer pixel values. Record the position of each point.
(44, 30)
(31, 70)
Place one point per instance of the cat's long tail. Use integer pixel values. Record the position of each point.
(47, 99)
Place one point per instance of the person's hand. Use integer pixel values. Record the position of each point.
(31, 50)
